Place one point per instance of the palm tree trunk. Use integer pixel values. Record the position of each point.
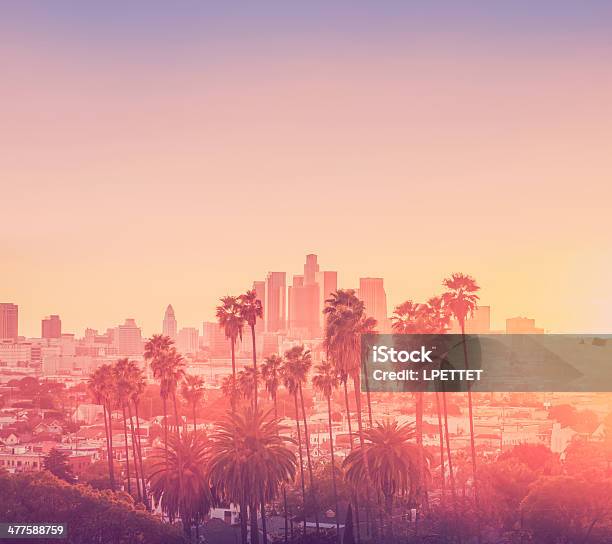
(441, 433)
(254, 526)
(357, 388)
(254, 369)
(194, 417)
(243, 519)
(110, 445)
(142, 472)
(472, 435)
(448, 452)
(264, 527)
(176, 418)
(135, 457)
(127, 450)
(286, 515)
(389, 512)
(333, 467)
(348, 411)
(111, 475)
(233, 397)
(419, 440)
(165, 405)
(307, 440)
(297, 424)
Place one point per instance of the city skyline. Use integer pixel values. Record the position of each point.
(295, 296)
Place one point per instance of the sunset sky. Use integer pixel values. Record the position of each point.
(155, 153)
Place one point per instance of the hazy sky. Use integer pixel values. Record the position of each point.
(174, 152)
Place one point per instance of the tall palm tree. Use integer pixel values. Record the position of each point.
(345, 322)
(392, 466)
(230, 319)
(179, 483)
(271, 371)
(175, 367)
(461, 300)
(100, 386)
(249, 461)
(137, 386)
(327, 380)
(297, 366)
(192, 390)
(250, 310)
(122, 389)
(156, 352)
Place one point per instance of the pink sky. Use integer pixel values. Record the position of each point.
(131, 183)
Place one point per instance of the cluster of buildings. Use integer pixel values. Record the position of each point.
(293, 313)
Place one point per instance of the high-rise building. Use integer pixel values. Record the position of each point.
(187, 340)
(169, 324)
(127, 338)
(275, 304)
(311, 269)
(51, 327)
(477, 323)
(9, 320)
(328, 284)
(372, 293)
(215, 340)
(260, 288)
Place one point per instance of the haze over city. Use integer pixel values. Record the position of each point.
(180, 161)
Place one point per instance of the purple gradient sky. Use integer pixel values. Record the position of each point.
(155, 153)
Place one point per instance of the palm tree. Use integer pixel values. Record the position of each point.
(461, 300)
(192, 390)
(290, 381)
(246, 381)
(137, 386)
(271, 374)
(249, 461)
(100, 386)
(179, 482)
(345, 322)
(250, 310)
(392, 465)
(122, 389)
(156, 352)
(231, 320)
(326, 380)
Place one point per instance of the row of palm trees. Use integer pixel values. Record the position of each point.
(383, 464)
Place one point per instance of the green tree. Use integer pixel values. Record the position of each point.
(461, 300)
(326, 380)
(192, 390)
(251, 310)
(180, 485)
(231, 321)
(389, 459)
(249, 461)
(57, 463)
(100, 385)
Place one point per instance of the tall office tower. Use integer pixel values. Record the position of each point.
(51, 327)
(260, 288)
(187, 340)
(328, 284)
(128, 338)
(275, 304)
(311, 268)
(9, 320)
(169, 325)
(304, 322)
(372, 292)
